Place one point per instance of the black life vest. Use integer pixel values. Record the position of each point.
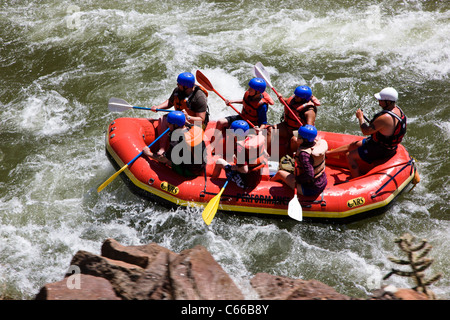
(391, 142)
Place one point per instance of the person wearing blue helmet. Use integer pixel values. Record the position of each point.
(303, 104)
(184, 153)
(247, 158)
(189, 98)
(309, 173)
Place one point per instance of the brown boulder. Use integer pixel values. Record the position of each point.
(271, 287)
(88, 288)
(139, 255)
(197, 276)
(392, 293)
(149, 272)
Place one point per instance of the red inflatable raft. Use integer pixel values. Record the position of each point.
(341, 201)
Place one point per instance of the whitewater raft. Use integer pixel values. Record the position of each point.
(344, 199)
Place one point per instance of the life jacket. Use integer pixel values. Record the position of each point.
(250, 106)
(182, 102)
(255, 152)
(299, 110)
(317, 152)
(391, 142)
(192, 137)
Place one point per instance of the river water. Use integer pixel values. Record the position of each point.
(61, 61)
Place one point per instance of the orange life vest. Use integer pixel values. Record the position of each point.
(318, 154)
(255, 152)
(184, 103)
(299, 110)
(250, 107)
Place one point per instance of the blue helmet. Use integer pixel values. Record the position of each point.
(186, 79)
(258, 84)
(176, 117)
(308, 132)
(240, 124)
(303, 92)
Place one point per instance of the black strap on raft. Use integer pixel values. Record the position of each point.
(203, 192)
(309, 204)
(409, 163)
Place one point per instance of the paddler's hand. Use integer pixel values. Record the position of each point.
(147, 152)
(360, 115)
(153, 108)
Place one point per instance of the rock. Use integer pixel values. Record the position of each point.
(148, 272)
(152, 272)
(271, 287)
(197, 276)
(121, 275)
(90, 288)
(138, 255)
(410, 294)
(392, 293)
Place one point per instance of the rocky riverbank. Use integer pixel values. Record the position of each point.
(152, 272)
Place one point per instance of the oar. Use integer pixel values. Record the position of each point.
(204, 81)
(104, 184)
(120, 105)
(261, 72)
(295, 208)
(211, 208)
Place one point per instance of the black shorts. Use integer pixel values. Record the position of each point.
(371, 151)
(235, 117)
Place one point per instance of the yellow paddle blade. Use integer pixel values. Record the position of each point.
(115, 175)
(211, 208)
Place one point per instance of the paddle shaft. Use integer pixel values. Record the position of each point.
(151, 144)
(204, 81)
(224, 186)
(104, 184)
(286, 105)
(143, 108)
(120, 105)
(266, 78)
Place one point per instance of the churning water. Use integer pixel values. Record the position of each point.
(60, 62)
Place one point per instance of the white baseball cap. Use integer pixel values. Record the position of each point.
(387, 94)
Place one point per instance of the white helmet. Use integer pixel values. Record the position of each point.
(387, 94)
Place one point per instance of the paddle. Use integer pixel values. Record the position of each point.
(115, 175)
(295, 208)
(261, 72)
(120, 105)
(204, 81)
(211, 208)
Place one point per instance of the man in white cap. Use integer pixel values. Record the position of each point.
(386, 131)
